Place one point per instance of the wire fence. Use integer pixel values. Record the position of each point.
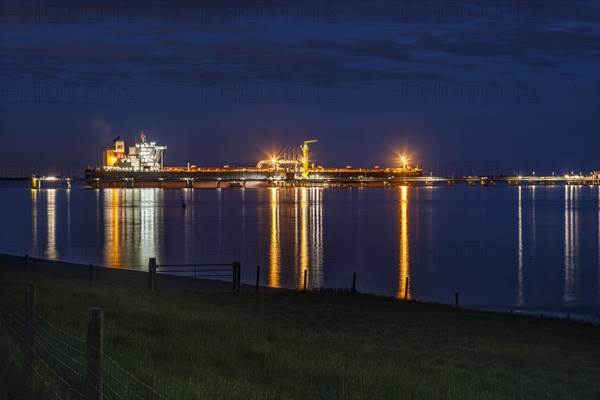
(223, 272)
(67, 366)
(253, 278)
(304, 280)
(400, 288)
(310, 280)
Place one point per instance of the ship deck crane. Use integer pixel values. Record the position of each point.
(305, 157)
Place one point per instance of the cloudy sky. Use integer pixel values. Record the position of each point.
(463, 87)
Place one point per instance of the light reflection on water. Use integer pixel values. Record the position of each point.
(404, 256)
(314, 207)
(520, 249)
(304, 261)
(274, 256)
(547, 238)
(306, 227)
(571, 234)
(34, 218)
(112, 238)
(131, 226)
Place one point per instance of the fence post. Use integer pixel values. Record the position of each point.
(30, 324)
(233, 266)
(91, 272)
(406, 289)
(151, 272)
(257, 277)
(456, 299)
(353, 289)
(239, 277)
(236, 276)
(26, 262)
(305, 279)
(95, 344)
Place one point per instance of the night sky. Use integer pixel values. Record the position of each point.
(462, 87)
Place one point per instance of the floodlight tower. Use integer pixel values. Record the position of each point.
(305, 157)
(404, 161)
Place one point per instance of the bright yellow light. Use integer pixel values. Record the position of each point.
(404, 161)
(273, 160)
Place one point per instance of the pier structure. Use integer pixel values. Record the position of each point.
(253, 177)
(39, 182)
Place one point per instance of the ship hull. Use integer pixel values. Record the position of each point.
(211, 178)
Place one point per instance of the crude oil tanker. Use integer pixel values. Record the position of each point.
(142, 167)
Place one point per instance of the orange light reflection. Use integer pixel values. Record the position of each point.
(112, 246)
(404, 256)
(274, 253)
(303, 236)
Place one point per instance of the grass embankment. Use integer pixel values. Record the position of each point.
(320, 345)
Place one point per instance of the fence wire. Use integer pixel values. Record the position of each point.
(318, 280)
(60, 359)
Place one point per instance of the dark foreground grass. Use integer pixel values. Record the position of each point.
(319, 345)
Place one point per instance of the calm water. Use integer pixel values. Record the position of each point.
(529, 248)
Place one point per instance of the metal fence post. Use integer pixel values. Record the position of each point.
(257, 278)
(239, 277)
(353, 289)
(30, 324)
(26, 262)
(236, 276)
(95, 344)
(233, 265)
(305, 279)
(151, 273)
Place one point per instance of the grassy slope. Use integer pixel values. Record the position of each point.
(325, 345)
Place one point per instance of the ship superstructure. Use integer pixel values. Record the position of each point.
(143, 156)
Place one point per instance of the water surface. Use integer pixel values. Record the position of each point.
(530, 248)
